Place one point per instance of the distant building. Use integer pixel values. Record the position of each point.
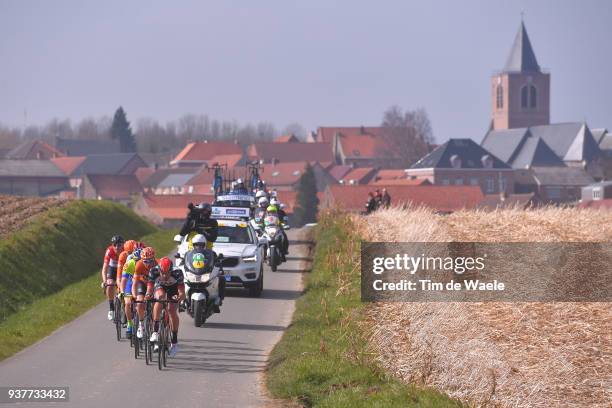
(597, 191)
(31, 178)
(521, 91)
(34, 150)
(196, 154)
(463, 162)
(290, 151)
(121, 188)
(80, 147)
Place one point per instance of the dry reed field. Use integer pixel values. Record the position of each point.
(497, 354)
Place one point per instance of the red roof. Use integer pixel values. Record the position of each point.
(143, 173)
(326, 134)
(204, 151)
(439, 198)
(339, 171)
(359, 175)
(204, 176)
(115, 186)
(282, 174)
(599, 204)
(174, 206)
(290, 152)
(68, 164)
(390, 174)
(230, 159)
(401, 182)
(357, 146)
(34, 150)
(286, 139)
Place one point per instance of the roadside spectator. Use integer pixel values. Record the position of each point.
(371, 204)
(377, 199)
(385, 199)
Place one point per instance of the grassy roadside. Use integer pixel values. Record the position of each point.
(322, 359)
(43, 316)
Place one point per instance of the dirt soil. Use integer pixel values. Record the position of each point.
(17, 211)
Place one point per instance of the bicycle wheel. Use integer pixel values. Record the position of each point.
(117, 317)
(160, 343)
(135, 338)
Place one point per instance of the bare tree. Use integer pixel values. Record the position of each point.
(408, 135)
(295, 129)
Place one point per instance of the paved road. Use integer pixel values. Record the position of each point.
(219, 364)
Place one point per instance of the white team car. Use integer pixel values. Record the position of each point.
(243, 254)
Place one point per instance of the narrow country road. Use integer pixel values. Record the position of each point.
(220, 364)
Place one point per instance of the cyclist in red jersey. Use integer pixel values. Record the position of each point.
(109, 271)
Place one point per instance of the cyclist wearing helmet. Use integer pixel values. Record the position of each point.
(128, 248)
(139, 287)
(199, 221)
(125, 287)
(199, 245)
(165, 282)
(109, 271)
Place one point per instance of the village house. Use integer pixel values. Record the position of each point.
(33, 150)
(289, 151)
(464, 162)
(31, 178)
(196, 154)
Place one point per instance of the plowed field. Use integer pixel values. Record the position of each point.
(17, 211)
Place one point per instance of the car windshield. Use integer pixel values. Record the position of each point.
(234, 235)
(232, 203)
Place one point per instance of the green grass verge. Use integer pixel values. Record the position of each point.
(59, 247)
(322, 359)
(46, 314)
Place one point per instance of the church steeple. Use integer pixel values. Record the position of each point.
(522, 58)
(520, 93)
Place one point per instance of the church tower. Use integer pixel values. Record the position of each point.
(521, 92)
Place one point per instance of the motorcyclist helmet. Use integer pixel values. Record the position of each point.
(282, 206)
(273, 193)
(263, 202)
(199, 242)
(274, 201)
(260, 194)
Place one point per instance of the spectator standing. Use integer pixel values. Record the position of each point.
(371, 204)
(385, 199)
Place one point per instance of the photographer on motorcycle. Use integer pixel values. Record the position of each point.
(199, 221)
(200, 246)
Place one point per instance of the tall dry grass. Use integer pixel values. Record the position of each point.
(497, 354)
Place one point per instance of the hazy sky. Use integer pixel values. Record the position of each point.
(316, 62)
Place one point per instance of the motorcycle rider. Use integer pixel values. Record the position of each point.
(199, 246)
(272, 210)
(260, 213)
(109, 271)
(282, 217)
(199, 221)
(165, 282)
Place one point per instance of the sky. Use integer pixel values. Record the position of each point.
(315, 62)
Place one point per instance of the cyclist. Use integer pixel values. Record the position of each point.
(139, 287)
(109, 271)
(127, 279)
(128, 248)
(166, 282)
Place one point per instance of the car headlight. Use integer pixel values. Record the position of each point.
(252, 258)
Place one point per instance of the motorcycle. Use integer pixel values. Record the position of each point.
(273, 236)
(201, 273)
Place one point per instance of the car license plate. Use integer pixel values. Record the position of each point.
(228, 278)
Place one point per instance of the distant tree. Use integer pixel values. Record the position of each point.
(307, 202)
(408, 134)
(295, 129)
(121, 130)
